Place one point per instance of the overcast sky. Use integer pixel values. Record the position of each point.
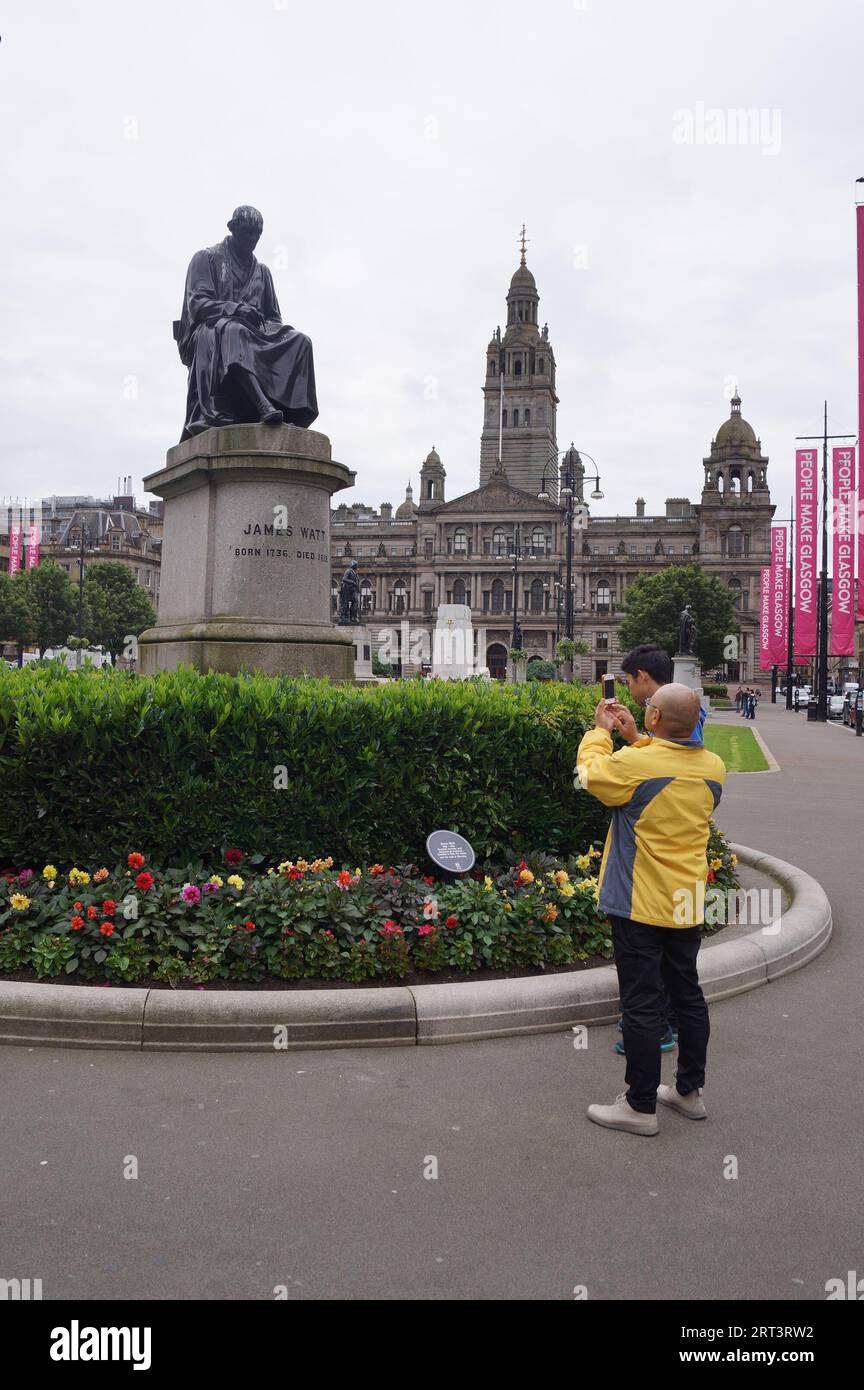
(395, 149)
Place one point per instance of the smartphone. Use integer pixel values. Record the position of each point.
(609, 689)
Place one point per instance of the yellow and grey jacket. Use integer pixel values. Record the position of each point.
(662, 794)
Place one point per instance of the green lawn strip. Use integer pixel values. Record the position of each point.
(737, 747)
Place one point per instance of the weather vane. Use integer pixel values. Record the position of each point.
(523, 243)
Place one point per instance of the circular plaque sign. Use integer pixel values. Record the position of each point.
(450, 851)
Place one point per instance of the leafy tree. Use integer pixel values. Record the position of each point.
(16, 611)
(653, 608)
(541, 671)
(114, 606)
(54, 604)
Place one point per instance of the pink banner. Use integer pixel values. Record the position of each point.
(15, 547)
(778, 598)
(806, 501)
(843, 527)
(764, 619)
(32, 547)
(859, 218)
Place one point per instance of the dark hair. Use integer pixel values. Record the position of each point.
(653, 660)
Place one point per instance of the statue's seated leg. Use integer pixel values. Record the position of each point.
(248, 385)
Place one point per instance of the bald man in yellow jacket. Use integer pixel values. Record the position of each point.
(662, 790)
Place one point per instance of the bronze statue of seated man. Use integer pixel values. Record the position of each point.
(245, 365)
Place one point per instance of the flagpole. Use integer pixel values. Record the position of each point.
(790, 651)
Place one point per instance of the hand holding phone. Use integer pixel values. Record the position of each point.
(609, 689)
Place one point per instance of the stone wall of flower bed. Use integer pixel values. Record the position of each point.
(304, 919)
(93, 761)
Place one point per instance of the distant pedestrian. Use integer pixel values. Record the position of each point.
(739, 696)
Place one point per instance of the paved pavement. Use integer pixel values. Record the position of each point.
(307, 1169)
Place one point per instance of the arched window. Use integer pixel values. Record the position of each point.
(400, 596)
(735, 591)
(527, 417)
(365, 596)
(459, 591)
(504, 418)
(536, 602)
(497, 596)
(460, 544)
(604, 596)
(541, 364)
(515, 417)
(735, 541)
(517, 367)
(492, 367)
(499, 541)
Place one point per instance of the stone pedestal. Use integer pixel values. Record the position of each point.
(246, 555)
(361, 641)
(688, 671)
(453, 642)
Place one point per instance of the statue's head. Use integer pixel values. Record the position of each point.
(353, 565)
(246, 226)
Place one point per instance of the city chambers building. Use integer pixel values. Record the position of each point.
(461, 551)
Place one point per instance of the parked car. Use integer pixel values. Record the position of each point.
(801, 696)
(836, 704)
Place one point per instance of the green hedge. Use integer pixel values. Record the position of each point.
(182, 766)
(715, 691)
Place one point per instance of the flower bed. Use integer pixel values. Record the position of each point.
(305, 919)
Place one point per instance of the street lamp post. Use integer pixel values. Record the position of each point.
(85, 539)
(568, 493)
(516, 552)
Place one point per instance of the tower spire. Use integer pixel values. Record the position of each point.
(522, 240)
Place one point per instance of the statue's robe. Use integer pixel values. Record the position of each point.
(212, 340)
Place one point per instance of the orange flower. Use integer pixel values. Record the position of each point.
(135, 861)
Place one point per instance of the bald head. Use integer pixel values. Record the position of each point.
(677, 710)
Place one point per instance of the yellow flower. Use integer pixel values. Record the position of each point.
(561, 876)
(77, 876)
(734, 858)
(49, 873)
(236, 881)
(20, 902)
(357, 872)
(302, 865)
(595, 853)
(488, 884)
(508, 907)
(716, 863)
(567, 890)
(551, 913)
(526, 876)
(584, 861)
(216, 880)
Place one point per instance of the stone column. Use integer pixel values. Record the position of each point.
(246, 555)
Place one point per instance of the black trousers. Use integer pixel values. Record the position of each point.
(651, 962)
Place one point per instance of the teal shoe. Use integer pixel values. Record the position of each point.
(668, 1043)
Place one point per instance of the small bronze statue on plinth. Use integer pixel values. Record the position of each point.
(687, 632)
(349, 597)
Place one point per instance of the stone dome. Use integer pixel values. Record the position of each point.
(407, 509)
(736, 432)
(523, 280)
(433, 457)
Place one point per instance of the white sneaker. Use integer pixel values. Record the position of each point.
(621, 1115)
(692, 1105)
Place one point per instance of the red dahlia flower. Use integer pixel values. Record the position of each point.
(144, 882)
(77, 923)
(107, 929)
(135, 861)
(234, 856)
(109, 907)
